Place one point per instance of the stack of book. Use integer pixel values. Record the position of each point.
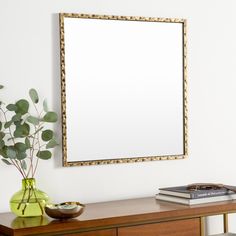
(182, 194)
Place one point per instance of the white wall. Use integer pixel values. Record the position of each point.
(29, 57)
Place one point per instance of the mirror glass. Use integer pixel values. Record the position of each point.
(123, 89)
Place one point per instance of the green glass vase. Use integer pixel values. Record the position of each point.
(29, 201)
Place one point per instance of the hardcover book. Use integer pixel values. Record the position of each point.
(187, 201)
(184, 192)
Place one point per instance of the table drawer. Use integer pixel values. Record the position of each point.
(171, 228)
(108, 232)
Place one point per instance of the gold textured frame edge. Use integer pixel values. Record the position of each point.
(63, 90)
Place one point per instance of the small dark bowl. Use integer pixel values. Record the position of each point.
(65, 210)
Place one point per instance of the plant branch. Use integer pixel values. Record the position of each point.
(15, 163)
(35, 168)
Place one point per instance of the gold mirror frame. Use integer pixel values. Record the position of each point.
(63, 90)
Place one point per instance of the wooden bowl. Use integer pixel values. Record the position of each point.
(65, 210)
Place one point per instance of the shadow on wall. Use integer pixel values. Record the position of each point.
(56, 82)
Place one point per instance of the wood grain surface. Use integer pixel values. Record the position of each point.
(111, 215)
(173, 228)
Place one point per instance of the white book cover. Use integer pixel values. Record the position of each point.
(187, 201)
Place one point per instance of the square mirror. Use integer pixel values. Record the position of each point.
(124, 93)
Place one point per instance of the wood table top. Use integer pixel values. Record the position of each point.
(118, 213)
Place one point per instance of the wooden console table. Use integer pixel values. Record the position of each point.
(134, 217)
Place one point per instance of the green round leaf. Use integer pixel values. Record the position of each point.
(1, 86)
(47, 135)
(2, 144)
(50, 117)
(16, 117)
(45, 155)
(11, 152)
(45, 105)
(34, 95)
(27, 143)
(33, 120)
(17, 133)
(51, 144)
(20, 147)
(18, 123)
(21, 155)
(7, 124)
(3, 152)
(22, 106)
(11, 107)
(2, 135)
(22, 131)
(6, 162)
(25, 129)
(23, 164)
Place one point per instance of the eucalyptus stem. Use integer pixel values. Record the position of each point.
(31, 155)
(35, 168)
(27, 201)
(39, 147)
(38, 140)
(15, 163)
(36, 109)
(29, 187)
(32, 150)
(18, 167)
(31, 192)
(22, 200)
(36, 198)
